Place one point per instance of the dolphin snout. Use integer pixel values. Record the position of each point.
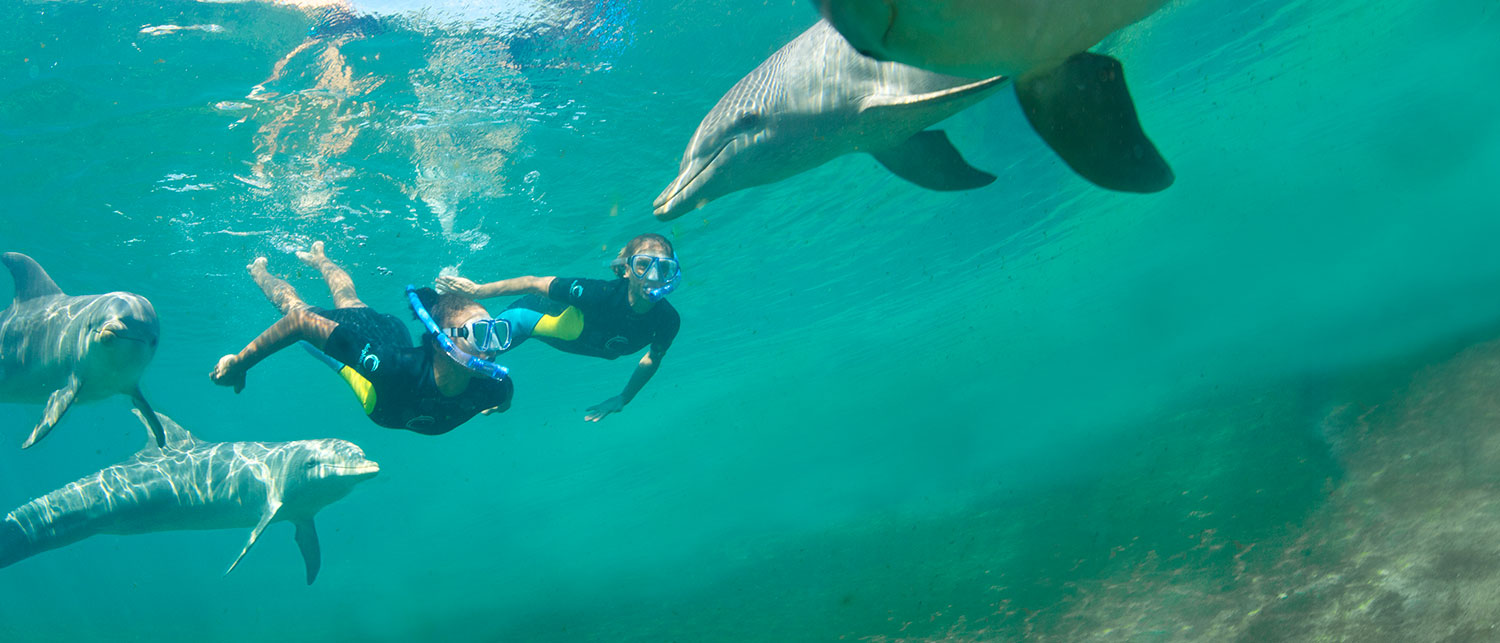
(127, 329)
(667, 204)
(366, 469)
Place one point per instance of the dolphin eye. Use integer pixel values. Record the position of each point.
(312, 463)
(747, 120)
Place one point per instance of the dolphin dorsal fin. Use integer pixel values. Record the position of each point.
(31, 280)
(177, 437)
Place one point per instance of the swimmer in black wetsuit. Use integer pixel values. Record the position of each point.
(400, 386)
(595, 317)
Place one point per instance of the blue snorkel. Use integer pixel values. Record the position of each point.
(657, 294)
(480, 366)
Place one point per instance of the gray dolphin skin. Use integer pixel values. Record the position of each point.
(58, 350)
(813, 100)
(1075, 100)
(194, 485)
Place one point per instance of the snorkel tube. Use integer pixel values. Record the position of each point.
(481, 366)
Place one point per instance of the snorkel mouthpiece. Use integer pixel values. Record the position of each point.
(657, 294)
(481, 366)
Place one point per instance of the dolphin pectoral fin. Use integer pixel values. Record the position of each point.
(307, 541)
(271, 510)
(929, 160)
(149, 417)
(1083, 110)
(58, 404)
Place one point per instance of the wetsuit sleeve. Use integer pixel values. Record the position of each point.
(356, 351)
(666, 331)
(586, 294)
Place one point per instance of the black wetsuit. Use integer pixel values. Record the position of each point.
(378, 347)
(610, 327)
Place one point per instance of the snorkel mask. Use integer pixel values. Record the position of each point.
(664, 270)
(481, 366)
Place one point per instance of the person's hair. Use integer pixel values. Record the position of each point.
(441, 307)
(635, 246)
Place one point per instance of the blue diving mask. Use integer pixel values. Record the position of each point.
(481, 366)
(487, 335)
(666, 271)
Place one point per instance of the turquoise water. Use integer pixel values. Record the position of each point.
(1034, 410)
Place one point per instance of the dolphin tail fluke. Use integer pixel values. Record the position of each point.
(149, 417)
(929, 159)
(312, 554)
(58, 404)
(1083, 110)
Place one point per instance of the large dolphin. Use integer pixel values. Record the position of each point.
(815, 99)
(59, 349)
(194, 485)
(1077, 101)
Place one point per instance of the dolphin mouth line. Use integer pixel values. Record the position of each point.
(676, 194)
(111, 335)
(356, 468)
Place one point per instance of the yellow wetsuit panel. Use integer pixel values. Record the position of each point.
(567, 325)
(362, 388)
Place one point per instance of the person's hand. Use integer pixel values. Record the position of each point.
(229, 373)
(598, 411)
(457, 285)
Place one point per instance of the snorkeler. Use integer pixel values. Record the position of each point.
(595, 317)
(428, 389)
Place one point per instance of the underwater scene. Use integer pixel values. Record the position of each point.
(1229, 374)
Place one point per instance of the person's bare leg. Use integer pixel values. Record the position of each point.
(339, 283)
(281, 293)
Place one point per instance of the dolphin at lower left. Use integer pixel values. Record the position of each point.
(813, 100)
(58, 349)
(194, 485)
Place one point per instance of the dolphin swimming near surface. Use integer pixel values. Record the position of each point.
(58, 349)
(1077, 101)
(816, 99)
(194, 485)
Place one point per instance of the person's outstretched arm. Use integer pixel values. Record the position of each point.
(643, 372)
(516, 286)
(296, 326)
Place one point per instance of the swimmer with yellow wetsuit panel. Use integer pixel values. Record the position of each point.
(598, 318)
(429, 389)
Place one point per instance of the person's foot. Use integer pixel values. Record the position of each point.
(257, 267)
(314, 257)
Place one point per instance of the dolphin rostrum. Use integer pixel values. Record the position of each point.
(1077, 101)
(813, 100)
(194, 485)
(59, 349)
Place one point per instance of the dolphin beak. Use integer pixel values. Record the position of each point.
(366, 470)
(677, 199)
(126, 329)
(665, 207)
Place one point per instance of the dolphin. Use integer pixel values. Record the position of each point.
(1077, 101)
(815, 99)
(58, 349)
(194, 485)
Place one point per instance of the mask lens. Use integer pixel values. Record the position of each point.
(489, 334)
(640, 265)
